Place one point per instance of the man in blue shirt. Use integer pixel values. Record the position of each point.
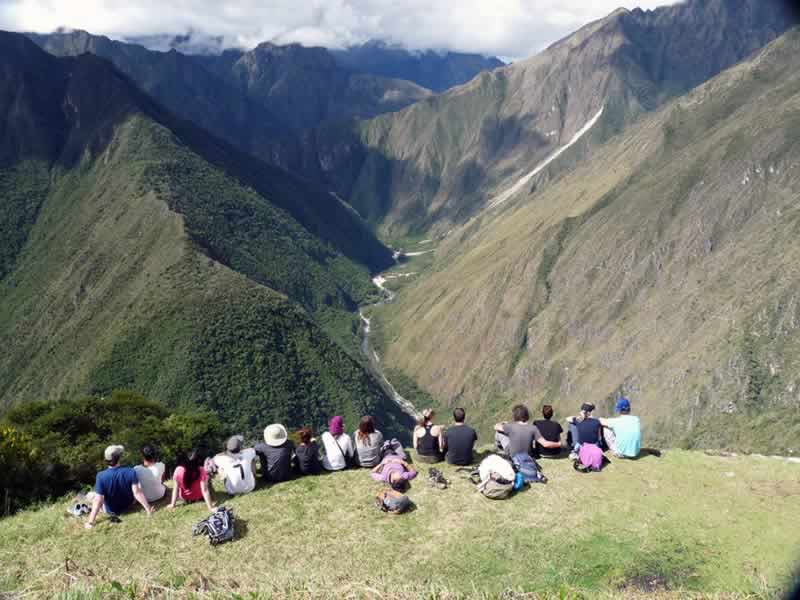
(623, 434)
(116, 488)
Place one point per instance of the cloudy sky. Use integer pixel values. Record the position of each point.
(508, 28)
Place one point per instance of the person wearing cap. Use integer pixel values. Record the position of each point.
(584, 429)
(428, 438)
(519, 436)
(116, 488)
(237, 466)
(275, 454)
(338, 446)
(623, 434)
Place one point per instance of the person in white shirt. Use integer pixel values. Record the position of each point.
(237, 466)
(151, 474)
(338, 446)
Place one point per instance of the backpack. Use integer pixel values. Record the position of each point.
(391, 501)
(494, 477)
(218, 527)
(525, 465)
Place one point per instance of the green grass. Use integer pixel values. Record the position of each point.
(684, 525)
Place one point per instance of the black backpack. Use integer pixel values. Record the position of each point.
(218, 527)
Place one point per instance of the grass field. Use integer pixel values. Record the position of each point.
(685, 525)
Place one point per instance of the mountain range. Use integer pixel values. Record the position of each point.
(614, 215)
(140, 252)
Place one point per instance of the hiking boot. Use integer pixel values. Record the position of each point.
(573, 455)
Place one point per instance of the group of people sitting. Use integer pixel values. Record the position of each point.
(118, 488)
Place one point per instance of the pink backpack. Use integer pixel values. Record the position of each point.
(591, 456)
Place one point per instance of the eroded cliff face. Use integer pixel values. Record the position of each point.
(665, 268)
(443, 159)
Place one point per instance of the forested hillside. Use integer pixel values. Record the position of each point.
(147, 255)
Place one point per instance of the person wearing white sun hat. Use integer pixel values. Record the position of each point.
(275, 454)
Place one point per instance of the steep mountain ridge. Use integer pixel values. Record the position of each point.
(146, 253)
(664, 268)
(441, 160)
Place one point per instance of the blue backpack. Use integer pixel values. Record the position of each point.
(528, 468)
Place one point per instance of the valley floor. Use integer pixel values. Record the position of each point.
(685, 525)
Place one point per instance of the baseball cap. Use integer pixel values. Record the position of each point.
(623, 405)
(113, 452)
(234, 443)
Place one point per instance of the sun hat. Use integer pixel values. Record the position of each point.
(275, 435)
(586, 407)
(336, 426)
(623, 405)
(234, 444)
(113, 452)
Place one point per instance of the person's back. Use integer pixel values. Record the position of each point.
(151, 474)
(588, 431)
(521, 437)
(275, 454)
(338, 446)
(459, 440)
(550, 430)
(428, 438)
(627, 434)
(115, 485)
(369, 448)
(307, 453)
(368, 442)
(237, 467)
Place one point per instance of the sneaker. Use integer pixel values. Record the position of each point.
(78, 510)
(573, 455)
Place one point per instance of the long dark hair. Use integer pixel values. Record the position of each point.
(192, 463)
(365, 427)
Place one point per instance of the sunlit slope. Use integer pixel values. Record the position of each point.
(665, 268)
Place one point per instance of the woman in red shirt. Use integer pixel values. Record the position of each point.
(191, 480)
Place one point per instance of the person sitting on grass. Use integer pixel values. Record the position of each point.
(583, 429)
(191, 480)
(275, 454)
(428, 438)
(368, 442)
(394, 471)
(151, 474)
(237, 466)
(459, 440)
(551, 431)
(518, 437)
(307, 453)
(623, 434)
(338, 446)
(116, 488)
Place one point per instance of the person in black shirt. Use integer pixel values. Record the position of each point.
(459, 440)
(551, 431)
(584, 429)
(275, 454)
(307, 453)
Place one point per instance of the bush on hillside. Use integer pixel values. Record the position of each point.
(48, 448)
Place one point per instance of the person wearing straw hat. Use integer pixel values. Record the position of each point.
(275, 454)
(116, 488)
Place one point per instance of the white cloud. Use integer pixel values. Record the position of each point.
(514, 28)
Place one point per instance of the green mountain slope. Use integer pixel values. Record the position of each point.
(149, 256)
(443, 159)
(628, 532)
(665, 268)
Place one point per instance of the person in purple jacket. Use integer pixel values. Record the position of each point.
(395, 471)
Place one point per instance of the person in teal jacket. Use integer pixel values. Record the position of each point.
(623, 434)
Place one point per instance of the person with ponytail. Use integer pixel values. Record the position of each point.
(428, 438)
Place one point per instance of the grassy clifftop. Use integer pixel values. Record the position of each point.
(685, 525)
